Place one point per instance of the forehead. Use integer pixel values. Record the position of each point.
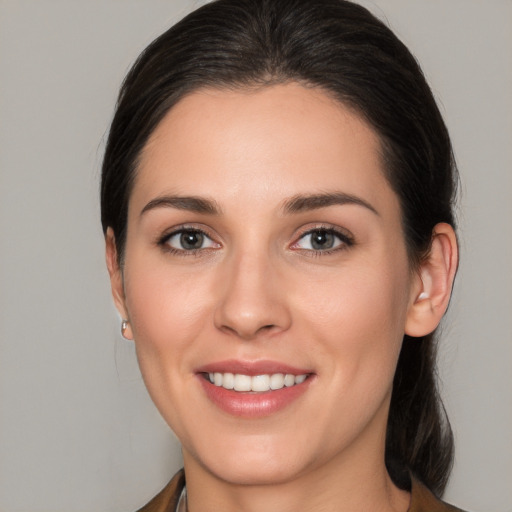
(274, 141)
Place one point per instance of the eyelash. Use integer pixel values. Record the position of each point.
(163, 241)
(346, 241)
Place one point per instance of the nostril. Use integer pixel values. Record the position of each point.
(266, 328)
(249, 334)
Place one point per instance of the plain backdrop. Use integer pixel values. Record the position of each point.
(78, 432)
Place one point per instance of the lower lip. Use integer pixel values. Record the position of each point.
(253, 405)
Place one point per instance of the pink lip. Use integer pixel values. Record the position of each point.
(251, 367)
(249, 404)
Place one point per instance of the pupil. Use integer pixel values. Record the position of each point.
(322, 240)
(191, 240)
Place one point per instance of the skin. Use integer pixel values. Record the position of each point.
(257, 291)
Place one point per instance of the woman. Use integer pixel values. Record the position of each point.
(277, 199)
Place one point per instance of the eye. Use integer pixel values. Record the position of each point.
(188, 240)
(322, 239)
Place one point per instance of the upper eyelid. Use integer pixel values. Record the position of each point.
(337, 230)
(185, 227)
(346, 239)
(163, 241)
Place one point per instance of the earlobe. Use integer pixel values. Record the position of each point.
(116, 282)
(126, 330)
(435, 277)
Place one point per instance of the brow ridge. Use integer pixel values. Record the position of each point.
(302, 203)
(189, 203)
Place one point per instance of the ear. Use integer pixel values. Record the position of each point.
(433, 287)
(116, 281)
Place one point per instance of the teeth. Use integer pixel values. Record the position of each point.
(242, 383)
(289, 380)
(257, 383)
(276, 381)
(228, 381)
(260, 383)
(299, 379)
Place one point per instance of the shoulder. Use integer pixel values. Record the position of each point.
(167, 498)
(422, 500)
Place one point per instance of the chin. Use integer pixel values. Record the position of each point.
(255, 473)
(256, 463)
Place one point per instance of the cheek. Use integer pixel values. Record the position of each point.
(167, 309)
(360, 315)
(361, 300)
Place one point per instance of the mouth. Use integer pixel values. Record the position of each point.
(240, 382)
(253, 389)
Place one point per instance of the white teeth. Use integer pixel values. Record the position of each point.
(242, 382)
(228, 381)
(276, 381)
(260, 383)
(289, 380)
(299, 379)
(256, 383)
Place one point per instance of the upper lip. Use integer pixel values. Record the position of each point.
(252, 368)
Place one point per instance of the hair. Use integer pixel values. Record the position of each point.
(341, 48)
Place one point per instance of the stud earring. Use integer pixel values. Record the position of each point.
(124, 325)
(423, 295)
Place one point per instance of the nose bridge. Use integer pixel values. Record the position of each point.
(252, 300)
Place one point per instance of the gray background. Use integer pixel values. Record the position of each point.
(77, 430)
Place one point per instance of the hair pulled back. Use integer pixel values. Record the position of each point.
(340, 47)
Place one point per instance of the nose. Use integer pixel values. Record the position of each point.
(252, 298)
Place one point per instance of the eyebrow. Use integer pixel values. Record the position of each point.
(188, 203)
(296, 204)
(303, 203)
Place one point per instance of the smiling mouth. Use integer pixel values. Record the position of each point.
(254, 383)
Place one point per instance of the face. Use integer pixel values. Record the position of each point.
(266, 282)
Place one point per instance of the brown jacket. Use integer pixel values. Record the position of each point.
(422, 500)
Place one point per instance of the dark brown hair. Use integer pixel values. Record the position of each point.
(340, 47)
